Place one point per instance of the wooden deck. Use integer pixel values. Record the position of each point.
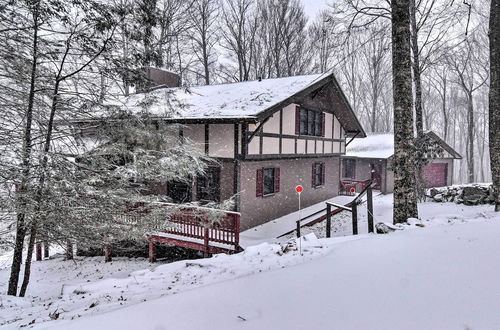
(203, 229)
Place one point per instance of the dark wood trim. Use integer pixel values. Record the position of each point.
(261, 144)
(281, 131)
(258, 128)
(236, 140)
(333, 126)
(207, 120)
(244, 143)
(289, 156)
(236, 168)
(207, 139)
(301, 137)
(351, 140)
(296, 97)
(295, 145)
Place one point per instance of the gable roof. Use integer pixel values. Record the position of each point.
(381, 146)
(248, 100)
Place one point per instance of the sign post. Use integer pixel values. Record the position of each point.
(298, 189)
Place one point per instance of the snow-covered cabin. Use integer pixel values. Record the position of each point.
(371, 158)
(268, 136)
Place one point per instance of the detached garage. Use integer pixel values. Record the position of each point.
(370, 158)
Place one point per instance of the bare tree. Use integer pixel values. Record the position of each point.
(494, 99)
(240, 26)
(469, 67)
(204, 14)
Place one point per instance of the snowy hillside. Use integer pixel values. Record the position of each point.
(441, 276)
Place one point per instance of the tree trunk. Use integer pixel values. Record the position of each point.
(419, 123)
(405, 204)
(494, 99)
(41, 185)
(46, 249)
(26, 162)
(445, 113)
(470, 139)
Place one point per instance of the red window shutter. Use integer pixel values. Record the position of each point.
(297, 120)
(313, 175)
(323, 173)
(260, 183)
(323, 124)
(276, 180)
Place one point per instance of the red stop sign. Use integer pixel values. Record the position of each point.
(353, 190)
(299, 189)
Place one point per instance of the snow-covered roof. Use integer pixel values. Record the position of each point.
(382, 146)
(235, 100)
(372, 146)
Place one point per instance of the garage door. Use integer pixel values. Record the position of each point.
(435, 175)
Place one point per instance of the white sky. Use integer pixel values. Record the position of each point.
(312, 7)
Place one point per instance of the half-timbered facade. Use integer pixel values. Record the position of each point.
(266, 137)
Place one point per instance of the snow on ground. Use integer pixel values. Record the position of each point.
(441, 276)
(269, 231)
(94, 287)
(436, 277)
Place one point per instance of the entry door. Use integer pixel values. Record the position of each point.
(376, 175)
(208, 186)
(435, 175)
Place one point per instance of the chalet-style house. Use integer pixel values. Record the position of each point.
(268, 136)
(371, 159)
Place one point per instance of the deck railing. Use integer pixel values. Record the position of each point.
(190, 226)
(350, 187)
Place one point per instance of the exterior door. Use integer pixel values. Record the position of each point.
(208, 186)
(435, 175)
(376, 175)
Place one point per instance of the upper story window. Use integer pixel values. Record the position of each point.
(311, 122)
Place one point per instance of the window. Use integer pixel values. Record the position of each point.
(311, 122)
(318, 174)
(349, 168)
(268, 181)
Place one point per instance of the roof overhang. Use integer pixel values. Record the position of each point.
(444, 145)
(336, 100)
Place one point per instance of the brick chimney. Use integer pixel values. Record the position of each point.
(158, 77)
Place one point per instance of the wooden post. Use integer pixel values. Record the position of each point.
(328, 220)
(152, 251)
(69, 250)
(38, 251)
(298, 228)
(354, 218)
(107, 252)
(205, 253)
(45, 249)
(369, 200)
